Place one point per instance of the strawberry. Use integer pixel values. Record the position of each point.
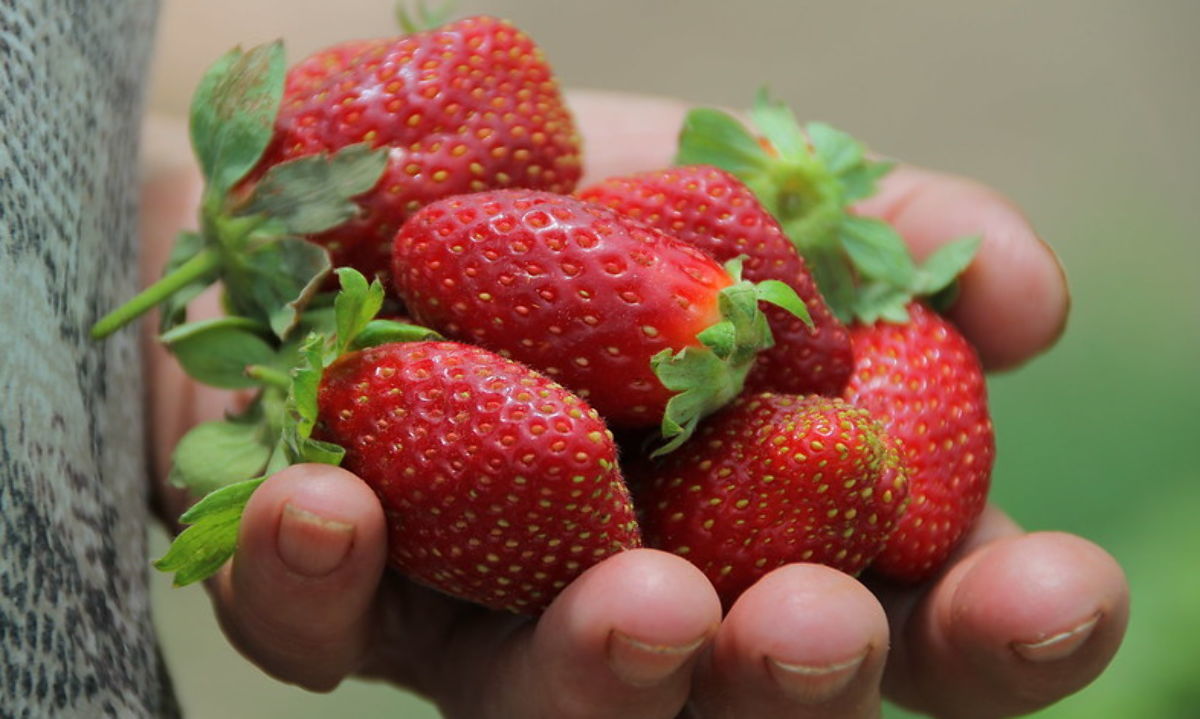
(925, 380)
(646, 327)
(713, 210)
(342, 148)
(914, 371)
(499, 485)
(774, 479)
(469, 106)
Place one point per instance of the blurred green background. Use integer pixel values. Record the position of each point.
(1085, 112)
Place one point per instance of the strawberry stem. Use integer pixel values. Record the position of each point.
(269, 376)
(203, 263)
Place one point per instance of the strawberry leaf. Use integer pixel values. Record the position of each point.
(313, 194)
(702, 383)
(836, 149)
(877, 251)
(216, 454)
(859, 182)
(778, 124)
(946, 263)
(201, 549)
(233, 113)
(426, 18)
(302, 400)
(273, 282)
(713, 137)
(378, 332)
(782, 295)
(217, 351)
(355, 306)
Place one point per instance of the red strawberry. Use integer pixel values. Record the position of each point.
(913, 370)
(621, 313)
(925, 382)
(346, 146)
(469, 106)
(770, 480)
(713, 210)
(499, 485)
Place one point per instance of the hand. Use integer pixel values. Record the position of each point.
(1015, 622)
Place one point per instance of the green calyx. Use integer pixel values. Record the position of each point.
(253, 243)
(276, 430)
(808, 177)
(423, 17)
(705, 378)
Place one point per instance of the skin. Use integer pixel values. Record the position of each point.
(1016, 621)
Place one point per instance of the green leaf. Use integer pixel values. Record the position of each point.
(782, 295)
(836, 149)
(721, 338)
(378, 332)
(426, 18)
(355, 306)
(217, 351)
(201, 549)
(216, 454)
(713, 137)
(233, 113)
(321, 452)
(702, 383)
(880, 300)
(946, 263)
(173, 309)
(314, 193)
(835, 280)
(860, 181)
(778, 124)
(274, 282)
(877, 251)
(301, 406)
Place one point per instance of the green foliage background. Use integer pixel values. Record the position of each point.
(1086, 113)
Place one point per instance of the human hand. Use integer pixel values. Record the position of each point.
(1015, 622)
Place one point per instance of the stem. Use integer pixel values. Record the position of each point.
(269, 376)
(200, 265)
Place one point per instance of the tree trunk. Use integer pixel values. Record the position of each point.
(75, 627)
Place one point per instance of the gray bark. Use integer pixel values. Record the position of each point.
(75, 622)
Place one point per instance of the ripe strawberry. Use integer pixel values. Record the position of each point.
(469, 106)
(713, 210)
(925, 383)
(913, 370)
(499, 485)
(774, 479)
(343, 148)
(644, 326)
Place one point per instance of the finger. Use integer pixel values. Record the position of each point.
(624, 133)
(618, 642)
(805, 641)
(297, 599)
(1014, 298)
(1020, 623)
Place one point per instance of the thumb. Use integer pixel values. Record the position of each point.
(298, 597)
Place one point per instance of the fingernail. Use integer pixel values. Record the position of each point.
(311, 545)
(815, 684)
(643, 664)
(1057, 646)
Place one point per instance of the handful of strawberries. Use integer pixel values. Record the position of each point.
(718, 359)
